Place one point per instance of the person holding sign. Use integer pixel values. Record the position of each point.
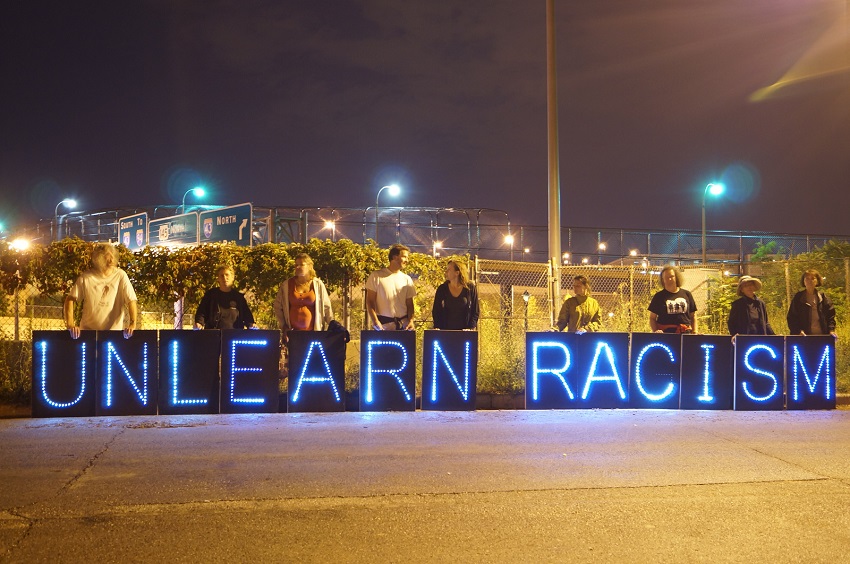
(580, 313)
(748, 315)
(224, 307)
(672, 309)
(105, 291)
(302, 302)
(456, 300)
(811, 311)
(389, 294)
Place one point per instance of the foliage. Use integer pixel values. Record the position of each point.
(15, 371)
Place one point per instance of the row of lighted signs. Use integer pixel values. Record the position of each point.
(229, 224)
(174, 372)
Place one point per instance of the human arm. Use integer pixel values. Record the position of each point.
(133, 307)
(68, 312)
(732, 321)
(411, 313)
(203, 308)
(828, 311)
(372, 309)
(653, 322)
(475, 311)
(563, 316)
(327, 310)
(595, 323)
(693, 317)
(794, 317)
(245, 313)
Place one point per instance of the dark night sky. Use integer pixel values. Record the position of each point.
(311, 103)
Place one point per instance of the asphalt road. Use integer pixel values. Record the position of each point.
(515, 486)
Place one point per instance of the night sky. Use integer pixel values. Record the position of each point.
(320, 103)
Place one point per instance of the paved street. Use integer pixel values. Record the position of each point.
(637, 486)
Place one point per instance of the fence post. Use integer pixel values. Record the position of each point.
(787, 286)
(847, 276)
(631, 294)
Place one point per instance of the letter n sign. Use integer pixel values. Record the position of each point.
(387, 371)
(316, 371)
(127, 371)
(449, 370)
(63, 374)
(810, 371)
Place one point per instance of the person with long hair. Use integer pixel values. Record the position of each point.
(580, 312)
(811, 311)
(105, 291)
(302, 302)
(456, 300)
(672, 309)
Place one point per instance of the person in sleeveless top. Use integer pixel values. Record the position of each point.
(302, 302)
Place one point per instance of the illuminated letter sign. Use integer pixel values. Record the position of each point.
(759, 372)
(550, 380)
(387, 370)
(707, 372)
(449, 370)
(63, 375)
(602, 366)
(127, 373)
(316, 371)
(188, 371)
(655, 374)
(250, 371)
(811, 372)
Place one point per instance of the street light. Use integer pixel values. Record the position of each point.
(394, 191)
(435, 247)
(715, 189)
(69, 203)
(566, 258)
(198, 191)
(602, 247)
(509, 240)
(332, 226)
(525, 297)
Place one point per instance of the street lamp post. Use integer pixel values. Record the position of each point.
(715, 189)
(394, 191)
(198, 191)
(69, 203)
(525, 297)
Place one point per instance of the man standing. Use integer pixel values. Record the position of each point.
(389, 294)
(105, 291)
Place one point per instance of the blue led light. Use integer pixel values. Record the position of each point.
(142, 393)
(174, 378)
(316, 379)
(50, 402)
(755, 370)
(706, 375)
(812, 384)
(234, 369)
(463, 389)
(536, 371)
(638, 382)
(391, 371)
(614, 376)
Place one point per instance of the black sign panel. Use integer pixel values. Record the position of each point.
(316, 372)
(189, 371)
(387, 371)
(708, 372)
(127, 372)
(550, 370)
(655, 378)
(759, 372)
(250, 371)
(449, 370)
(63, 374)
(810, 371)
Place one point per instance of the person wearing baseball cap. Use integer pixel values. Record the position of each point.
(748, 315)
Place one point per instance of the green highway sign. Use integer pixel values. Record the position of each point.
(174, 231)
(231, 224)
(133, 231)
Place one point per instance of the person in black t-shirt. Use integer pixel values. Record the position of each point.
(224, 307)
(672, 309)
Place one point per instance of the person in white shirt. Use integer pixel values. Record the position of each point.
(389, 294)
(105, 291)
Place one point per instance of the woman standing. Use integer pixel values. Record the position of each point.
(580, 313)
(456, 300)
(224, 307)
(811, 312)
(302, 303)
(748, 315)
(672, 309)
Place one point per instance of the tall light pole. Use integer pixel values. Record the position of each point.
(69, 203)
(198, 191)
(394, 191)
(715, 189)
(553, 151)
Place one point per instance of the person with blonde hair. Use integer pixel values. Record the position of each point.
(672, 309)
(580, 312)
(302, 302)
(105, 291)
(456, 300)
(811, 311)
